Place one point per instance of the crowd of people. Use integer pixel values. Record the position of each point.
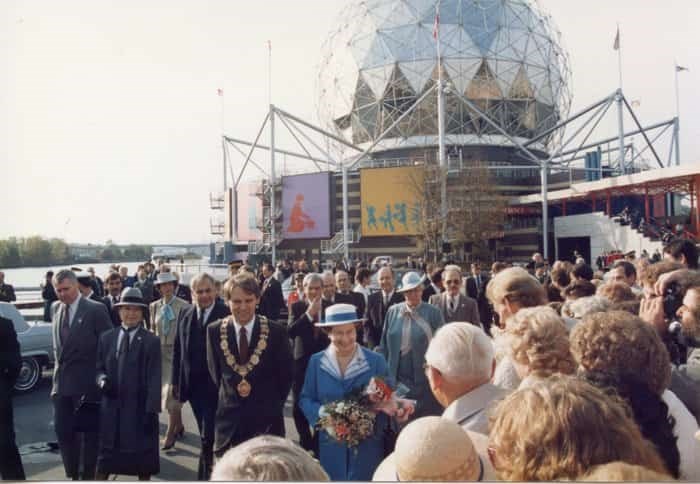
(518, 374)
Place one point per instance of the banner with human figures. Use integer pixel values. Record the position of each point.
(391, 201)
(306, 207)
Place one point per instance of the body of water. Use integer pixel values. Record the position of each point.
(33, 276)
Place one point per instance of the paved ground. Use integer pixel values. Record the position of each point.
(34, 429)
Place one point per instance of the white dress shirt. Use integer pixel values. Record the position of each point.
(207, 312)
(72, 309)
(249, 327)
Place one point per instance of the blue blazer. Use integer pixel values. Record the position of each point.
(322, 385)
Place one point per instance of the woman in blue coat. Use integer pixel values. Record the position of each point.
(333, 373)
(408, 328)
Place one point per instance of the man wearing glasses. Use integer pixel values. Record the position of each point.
(454, 305)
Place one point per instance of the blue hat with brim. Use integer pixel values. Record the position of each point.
(411, 280)
(339, 314)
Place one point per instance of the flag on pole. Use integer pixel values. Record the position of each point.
(436, 26)
(616, 45)
(220, 92)
(681, 68)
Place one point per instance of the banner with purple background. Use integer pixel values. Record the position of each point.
(306, 210)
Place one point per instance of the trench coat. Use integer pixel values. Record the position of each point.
(324, 384)
(390, 347)
(129, 415)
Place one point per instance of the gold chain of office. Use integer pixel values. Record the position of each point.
(244, 387)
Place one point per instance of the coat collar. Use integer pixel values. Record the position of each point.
(358, 364)
(472, 403)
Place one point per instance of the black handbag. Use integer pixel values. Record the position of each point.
(86, 417)
(391, 433)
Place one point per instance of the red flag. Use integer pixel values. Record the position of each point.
(436, 26)
(220, 92)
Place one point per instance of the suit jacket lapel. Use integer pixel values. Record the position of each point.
(253, 338)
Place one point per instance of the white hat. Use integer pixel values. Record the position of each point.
(411, 280)
(339, 314)
(437, 449)
(165, 277)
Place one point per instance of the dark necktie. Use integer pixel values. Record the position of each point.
(65, 325)
(452, 305)
(243, 347)
(123, 353)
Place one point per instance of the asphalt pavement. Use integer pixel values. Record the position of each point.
(33, 414)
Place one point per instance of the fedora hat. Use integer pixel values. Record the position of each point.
(411, 280)
(165, 277)
(131, 296)
(436, 449)
(339, 314)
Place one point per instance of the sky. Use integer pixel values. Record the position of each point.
(110, 122)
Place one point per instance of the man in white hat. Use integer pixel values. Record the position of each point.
(163, 316)
(459, 364)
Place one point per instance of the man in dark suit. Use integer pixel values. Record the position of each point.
(476, 289)
(7, 292)
(377, 306)
(77, 325)
(346, 295)
(454, 305)
(190, 379)
(307, 340)
(113, 286)
(250, 362)
(435, 286)
(87, 286)
(10, 363)
(271, 299)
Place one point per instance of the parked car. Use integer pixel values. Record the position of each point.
(36, 345)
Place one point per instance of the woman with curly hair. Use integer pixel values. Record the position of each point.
(618, 343)
(539, 344)
(510, 291)
(562, 427)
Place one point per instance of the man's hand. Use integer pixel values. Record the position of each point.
(314, 310)
(667, 279)
(105, 386)
(651, 310)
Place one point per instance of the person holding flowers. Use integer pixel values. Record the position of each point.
(348, 397)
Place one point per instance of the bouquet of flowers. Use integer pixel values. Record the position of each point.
(347, 421)
(351, 420)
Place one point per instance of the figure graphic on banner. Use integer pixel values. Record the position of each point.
(298, 220)
(371, 217)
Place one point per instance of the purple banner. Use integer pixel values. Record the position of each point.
(306, 206)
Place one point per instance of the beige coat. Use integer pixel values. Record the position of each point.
(167, 341)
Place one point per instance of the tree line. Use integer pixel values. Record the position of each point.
(38, 251)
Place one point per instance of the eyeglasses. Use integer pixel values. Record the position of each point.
(450, 282)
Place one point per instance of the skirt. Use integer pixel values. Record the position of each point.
(168, 402)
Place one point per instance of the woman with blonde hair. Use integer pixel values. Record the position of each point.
(539, 344)
(510, 291)
(562, 427)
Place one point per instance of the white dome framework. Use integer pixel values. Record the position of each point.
(505, 56)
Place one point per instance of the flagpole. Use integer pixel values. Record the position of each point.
(620, 122)
(269, 72)
(220, 92)
(441, 129)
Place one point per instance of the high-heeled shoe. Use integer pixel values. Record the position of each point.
(168, 446)
(180, 433)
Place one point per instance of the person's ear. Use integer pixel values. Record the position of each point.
(436, 376)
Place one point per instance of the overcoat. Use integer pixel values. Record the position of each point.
(324, 384)
(129, 416)
(390, 347)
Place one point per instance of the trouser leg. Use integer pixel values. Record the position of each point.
(10, 462)
(68, 441)
(204, 408)
(300, 422)
(90, 450)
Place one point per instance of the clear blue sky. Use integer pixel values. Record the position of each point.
(110, 120)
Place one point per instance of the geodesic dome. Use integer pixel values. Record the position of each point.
(503, 55)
